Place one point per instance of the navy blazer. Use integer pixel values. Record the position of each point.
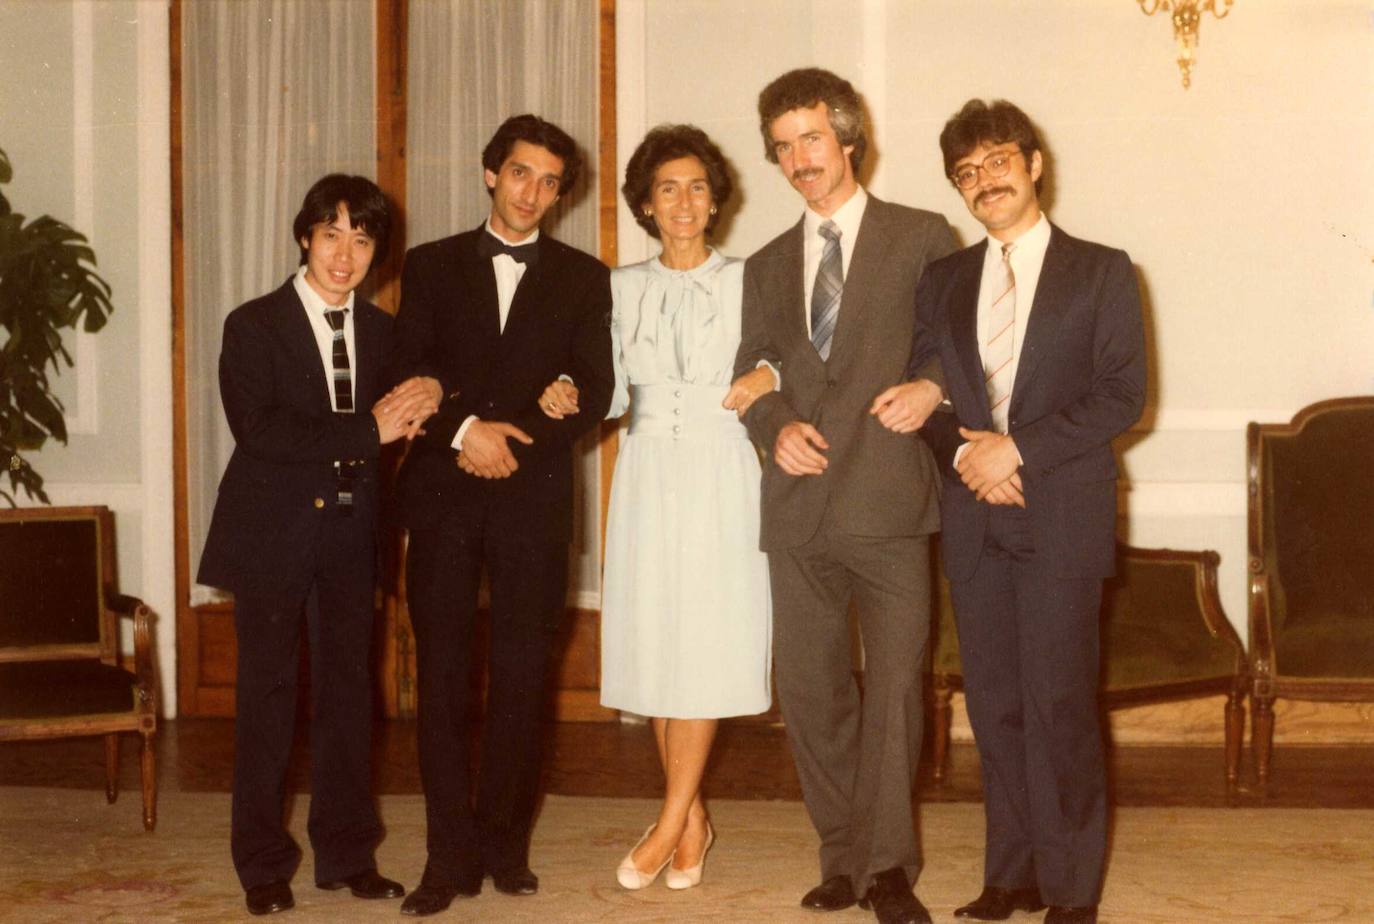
(280, 488)
(449, 327)
(1080, 382)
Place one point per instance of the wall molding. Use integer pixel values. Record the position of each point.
(84, 351)
(1206, 420)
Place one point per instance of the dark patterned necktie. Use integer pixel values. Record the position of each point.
(825, 296)
(343, 376)
(343, 404)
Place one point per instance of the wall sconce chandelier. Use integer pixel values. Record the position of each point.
(1187, 18)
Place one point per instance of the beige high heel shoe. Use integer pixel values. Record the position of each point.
(629, 876)
(686, 878)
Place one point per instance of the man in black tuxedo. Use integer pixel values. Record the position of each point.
(1040, 338)
(490, 317)
(294, 529)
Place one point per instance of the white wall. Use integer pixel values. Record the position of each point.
(84, 120)
(1245, 201)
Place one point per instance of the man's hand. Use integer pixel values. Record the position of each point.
(392, 422)
(485, 449)
(559, 399)
(904, 408)
(747, 389)
(798, 449)
(989, 460)
(1007, 493)
(413, 401)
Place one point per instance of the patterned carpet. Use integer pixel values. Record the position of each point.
(65, 856)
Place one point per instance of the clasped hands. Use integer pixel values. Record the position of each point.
(800, 447)
(486, 453)
(988, 466)
(401, 411)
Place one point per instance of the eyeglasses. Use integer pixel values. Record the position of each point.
(994, 165)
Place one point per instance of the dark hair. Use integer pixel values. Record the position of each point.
(535, 130)
(803, 89)
(669, 142)
(366, 204)
(998, 122)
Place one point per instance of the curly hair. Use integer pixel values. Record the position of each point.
(803, 89)
(366, 204)
(978, 122)
(669, 142)
(534, 130)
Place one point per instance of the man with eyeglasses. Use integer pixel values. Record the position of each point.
(1040, 338)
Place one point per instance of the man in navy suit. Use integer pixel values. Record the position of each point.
(1040, 339)
(294, 529)
(489, 318)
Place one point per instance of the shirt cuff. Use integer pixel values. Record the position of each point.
(462, 430)
(777, 376)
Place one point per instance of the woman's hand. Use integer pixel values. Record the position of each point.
(559, 400)
(747, 389)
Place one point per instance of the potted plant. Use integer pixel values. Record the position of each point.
(47, 283)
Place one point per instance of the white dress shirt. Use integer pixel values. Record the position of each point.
(847, 218)
(315, 307)
(509, 271)
(1027, 259)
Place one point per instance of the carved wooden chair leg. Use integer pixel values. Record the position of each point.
(1262, 735)
(1235, 734)
(111, 767)
(148, 771)
(940, 732)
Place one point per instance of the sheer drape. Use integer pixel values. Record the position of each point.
(276, 93)
(472, 64)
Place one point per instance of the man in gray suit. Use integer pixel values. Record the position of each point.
(848, 504)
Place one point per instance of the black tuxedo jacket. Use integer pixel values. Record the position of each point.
(280, 488)
(1080, 381)
(448, 327)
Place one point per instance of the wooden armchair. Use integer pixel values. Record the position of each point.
(1164, 637)
(1311, 541)
(60, 672)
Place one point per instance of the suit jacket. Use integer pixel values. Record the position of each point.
(280, 488)
(448, 327)
(1080, 381)
(877, 483)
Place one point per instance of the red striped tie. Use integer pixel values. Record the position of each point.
(997, 352)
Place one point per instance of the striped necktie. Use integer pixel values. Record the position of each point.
(343, 404)
(825, 296)
(343, 376)
(997, 352)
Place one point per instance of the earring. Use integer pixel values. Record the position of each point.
(713, 210)
(648, 213)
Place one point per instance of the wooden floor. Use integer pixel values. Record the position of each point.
(750, 761)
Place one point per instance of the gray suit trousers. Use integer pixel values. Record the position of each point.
(856, 756)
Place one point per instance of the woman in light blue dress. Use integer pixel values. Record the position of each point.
(686, 617)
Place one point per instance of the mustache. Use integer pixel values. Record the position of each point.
(805, 173)
(992, 192)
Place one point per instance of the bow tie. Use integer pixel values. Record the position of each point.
(488, 246)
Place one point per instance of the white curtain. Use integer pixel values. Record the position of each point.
(472, 64)
(276, 93)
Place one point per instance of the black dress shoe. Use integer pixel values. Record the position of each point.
(431, 898)
(1061, 915)
(997, 904)
(270, 898)
(835, 894)
(367, 884)
(518, 880)
(891, 900)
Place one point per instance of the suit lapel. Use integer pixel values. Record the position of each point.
(366, 351)
(870, 249)
(963, 323)
(304, 349)
(479, 279)
(1047, 311)
(789, 273)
